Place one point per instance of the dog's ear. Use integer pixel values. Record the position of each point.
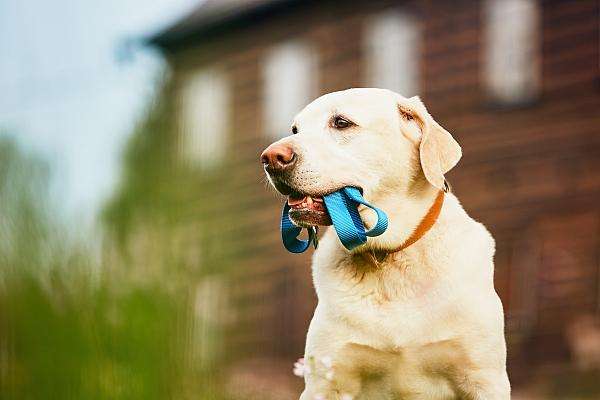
(438, 150)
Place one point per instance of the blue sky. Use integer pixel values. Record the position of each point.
(67, 94)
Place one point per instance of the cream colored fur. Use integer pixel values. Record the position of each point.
(427, 323)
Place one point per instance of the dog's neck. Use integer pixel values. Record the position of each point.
(411, 213)
(372, 260)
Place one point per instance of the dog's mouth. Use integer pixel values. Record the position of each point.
(305, 209)
(308, 210)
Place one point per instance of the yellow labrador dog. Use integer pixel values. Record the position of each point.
(413, 313)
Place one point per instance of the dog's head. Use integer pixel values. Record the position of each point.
(372, 139)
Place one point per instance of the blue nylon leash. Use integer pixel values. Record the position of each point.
(342, 207)
(290, 233)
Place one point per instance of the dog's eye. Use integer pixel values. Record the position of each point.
(341, 122)
(294, 130)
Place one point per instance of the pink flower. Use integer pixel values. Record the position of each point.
(301, 369)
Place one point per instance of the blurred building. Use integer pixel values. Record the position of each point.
(515, 81)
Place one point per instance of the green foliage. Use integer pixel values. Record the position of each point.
(72, 325)
(149, 177)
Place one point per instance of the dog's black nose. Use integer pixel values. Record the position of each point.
(278, 157)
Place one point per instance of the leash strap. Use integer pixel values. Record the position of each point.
(290, 233)
(342, 207)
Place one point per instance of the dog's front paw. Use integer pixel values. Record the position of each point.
(308, 395)
(331, 396)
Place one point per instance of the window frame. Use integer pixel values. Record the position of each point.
(281, 67)
(394, 31)
(494, 78)
(205, 98)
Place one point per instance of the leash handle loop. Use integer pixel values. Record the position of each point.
(382, 220)
(345, 218)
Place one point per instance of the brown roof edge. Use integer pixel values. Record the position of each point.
(217, 16)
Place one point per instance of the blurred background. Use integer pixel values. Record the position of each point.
(140, 256)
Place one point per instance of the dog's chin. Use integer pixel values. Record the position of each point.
(305, 217)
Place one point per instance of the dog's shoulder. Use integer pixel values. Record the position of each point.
(464, 231)
(464, 247)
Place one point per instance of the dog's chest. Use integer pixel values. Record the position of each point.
(388, 304)
(429, 371)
